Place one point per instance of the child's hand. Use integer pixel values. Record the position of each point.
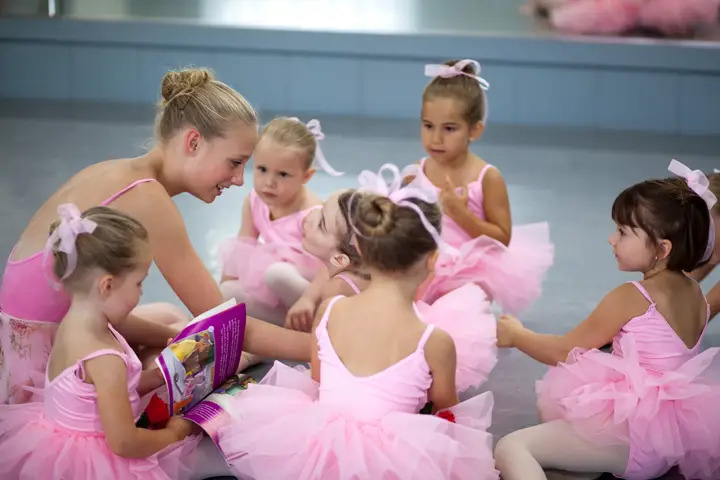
(300, 316)
(181, 427)
(450, 200)
(507, 325)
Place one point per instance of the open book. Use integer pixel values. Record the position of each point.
(200, 366)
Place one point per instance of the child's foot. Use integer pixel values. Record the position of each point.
(248, 360)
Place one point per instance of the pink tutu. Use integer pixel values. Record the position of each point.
(511, 275)
(596, 17)
(248, 259)
(285, 432)
(465, 314)
(673, 17)
(34, 448)
(667, 419)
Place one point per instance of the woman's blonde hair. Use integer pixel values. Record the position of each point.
(193, 97)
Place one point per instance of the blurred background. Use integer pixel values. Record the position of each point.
(586, 97)
(656, 71)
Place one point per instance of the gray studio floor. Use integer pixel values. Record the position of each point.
(566, 177)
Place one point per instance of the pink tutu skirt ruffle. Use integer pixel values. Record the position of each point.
(33, 448)
(512, 275)
(667, 419)
(248, 259)
(466, 315)
(283, 432)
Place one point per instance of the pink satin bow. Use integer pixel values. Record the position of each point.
(315, 130)
(698, 183)
(399, 195)
(71, 225)
(448, 71)
(696, 180)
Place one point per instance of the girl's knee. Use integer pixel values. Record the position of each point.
(231, 289)
(279, 272)
(508, 447)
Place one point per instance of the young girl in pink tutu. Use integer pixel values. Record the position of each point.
(654, 402)
(374, 365)
(265, 265)
(85, 427)
(465, 313)
(508, 263)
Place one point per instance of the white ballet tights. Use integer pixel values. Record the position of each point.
(523, 454)
(287, 283)
(233, 289)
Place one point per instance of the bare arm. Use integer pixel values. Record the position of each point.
(138, 331)
(247, 229)
(192, 283)
(336, 286)
(314, 361)
(174, 255)
(300, 316)
(713, 298)
(313, 292)
(498, 224)
(441, 357)
(613, 311)
(700, 273)
(150, 380)
(268, 340)
(109, 375)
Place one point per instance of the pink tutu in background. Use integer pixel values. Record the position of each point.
(597, 17)
(511, 275)
(248, 259)
(466, 315)
(615, 17)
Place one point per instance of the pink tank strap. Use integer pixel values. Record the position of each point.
(482, 173)
(99, 353)
(642, 290)
(707, 316)
(349, 281)
(107, 201)
(322, 324)
(426, 334)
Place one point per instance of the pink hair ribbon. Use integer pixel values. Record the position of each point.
(375, 183)
(449, 71)
(698, 183)
(71, 225)
(315, 130)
